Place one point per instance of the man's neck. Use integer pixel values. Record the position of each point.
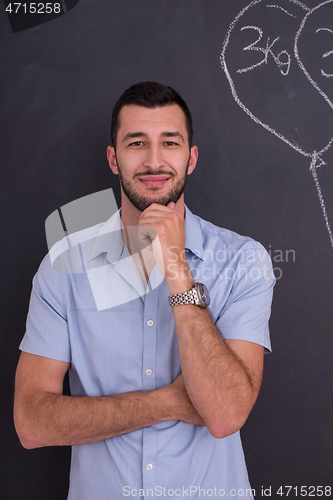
(130, 217)
(129, 214)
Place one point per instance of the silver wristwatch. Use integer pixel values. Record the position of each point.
(198, 295)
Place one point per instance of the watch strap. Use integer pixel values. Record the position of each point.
(190, 297)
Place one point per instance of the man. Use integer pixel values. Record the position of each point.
(160, 386)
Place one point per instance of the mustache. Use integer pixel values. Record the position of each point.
(149, 172)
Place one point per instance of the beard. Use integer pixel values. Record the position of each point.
(142, 202)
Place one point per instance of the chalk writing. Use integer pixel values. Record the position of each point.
(330, 52)
(266, 51)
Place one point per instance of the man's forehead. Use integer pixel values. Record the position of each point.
(132, 115)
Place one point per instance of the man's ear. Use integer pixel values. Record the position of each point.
(193, 159)
(111, 154)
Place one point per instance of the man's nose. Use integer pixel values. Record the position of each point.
(154, 158)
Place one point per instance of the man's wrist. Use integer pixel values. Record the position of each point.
(165, 401)
(180, 280)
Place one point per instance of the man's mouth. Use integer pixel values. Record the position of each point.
(154, 180)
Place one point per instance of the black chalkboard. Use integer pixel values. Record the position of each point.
(258, 79)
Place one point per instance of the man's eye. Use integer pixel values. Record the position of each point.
(170, 143)
(136, 143)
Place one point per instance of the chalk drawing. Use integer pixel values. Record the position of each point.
(284, 59)
(281, 8)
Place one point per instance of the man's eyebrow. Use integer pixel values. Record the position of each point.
(173, 134)
(133, 135)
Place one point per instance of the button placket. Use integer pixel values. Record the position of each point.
(149, 340)
(149, 457)
(149, 383)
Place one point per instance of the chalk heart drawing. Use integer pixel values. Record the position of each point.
(285, 38)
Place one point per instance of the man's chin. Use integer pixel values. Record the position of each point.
(143, 203)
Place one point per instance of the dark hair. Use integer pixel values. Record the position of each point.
(149, 95)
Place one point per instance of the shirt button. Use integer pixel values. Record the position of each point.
(149, 466)
(149, 372)
(150, 322)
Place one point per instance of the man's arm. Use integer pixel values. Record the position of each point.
(222, 377)
(43, 416)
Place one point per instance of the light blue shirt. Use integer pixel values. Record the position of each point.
(120, 337)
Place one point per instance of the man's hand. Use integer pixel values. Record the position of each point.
(169, 245)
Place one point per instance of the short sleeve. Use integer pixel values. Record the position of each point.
(247, 310)
(47, 328)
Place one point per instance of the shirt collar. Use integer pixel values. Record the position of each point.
(109, 237)
(194, 239)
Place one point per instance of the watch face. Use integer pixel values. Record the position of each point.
(204, 294)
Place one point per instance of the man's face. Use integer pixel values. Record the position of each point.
(152, 156)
